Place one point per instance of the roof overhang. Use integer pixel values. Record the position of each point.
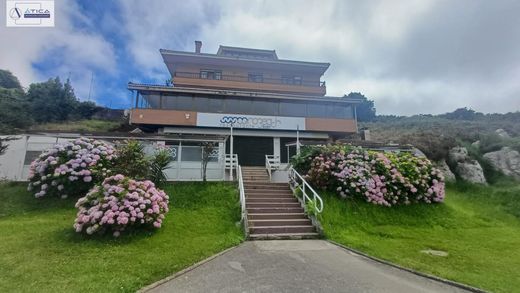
(168, 89)
(171, 58)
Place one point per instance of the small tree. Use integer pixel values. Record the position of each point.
(366, 110)
(207, 150)
(3, 145)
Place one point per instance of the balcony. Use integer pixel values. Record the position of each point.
(236, 82)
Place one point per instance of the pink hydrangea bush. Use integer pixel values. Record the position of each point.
(71, 168)
(381, 178)
(119, 204)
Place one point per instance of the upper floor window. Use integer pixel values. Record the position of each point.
(211, 74)
(289, 79)
(256, 77)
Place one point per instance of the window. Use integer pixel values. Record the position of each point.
(317, 110)
(265, 107)
(211, 74)
(297, 109)
(256, 77)
(289, 79)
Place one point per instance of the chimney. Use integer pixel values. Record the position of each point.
(198, 45)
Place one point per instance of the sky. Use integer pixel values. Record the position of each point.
(410, 57)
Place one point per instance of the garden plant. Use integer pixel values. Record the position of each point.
(382, 178)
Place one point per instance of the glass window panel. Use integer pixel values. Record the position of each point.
(153, 101)
(317, 110)
(293, 109)
(265, 107)
(184, 103)
(31, 156)
(201, 104)
(169, 102)
(191, 154)
(216, 105)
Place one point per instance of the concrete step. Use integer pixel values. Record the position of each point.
(266, 183)
(279, 222)
(283, 197)
(282, 229)
(284, 236)
(270, 199)
(266, 188)
(275, 216)
(270, 210)
(272, 204)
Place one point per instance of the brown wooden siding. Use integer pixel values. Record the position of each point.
(163, 117)
(330, 125)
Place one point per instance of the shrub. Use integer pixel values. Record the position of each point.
(119, 204)
(380, 178)
(71, 168)
(131, 160)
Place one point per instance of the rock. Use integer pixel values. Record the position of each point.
(458, 155)
(502, 133)
(445, 169)
(467, 168)
(476, 144)
(506, 161)
(435, 252)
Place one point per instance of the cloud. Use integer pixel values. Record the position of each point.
(72, 48)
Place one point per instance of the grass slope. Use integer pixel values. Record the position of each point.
(80, 125)
(39, 251)
(478, 226)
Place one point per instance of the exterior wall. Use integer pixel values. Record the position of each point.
(332, 125)
(15, 163)
(163, 117)
(272, 79)
(189, 118)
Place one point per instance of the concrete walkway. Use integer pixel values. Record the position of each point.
(297, 266)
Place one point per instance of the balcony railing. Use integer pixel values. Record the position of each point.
(239, 78)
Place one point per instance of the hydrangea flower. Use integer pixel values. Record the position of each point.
(70, 168)
(120, 203)
(381, 178)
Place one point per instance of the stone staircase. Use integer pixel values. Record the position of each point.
(272, 210)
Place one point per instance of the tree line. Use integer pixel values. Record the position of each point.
(49, 101)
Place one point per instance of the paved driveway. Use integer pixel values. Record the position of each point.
(297, 266)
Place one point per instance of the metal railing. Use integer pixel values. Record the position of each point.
(297, 182)
(271, 163)
(241, 78)
(242, 195)
(231, 163)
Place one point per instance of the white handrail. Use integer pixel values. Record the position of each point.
(271, 163)
(231, 163)
(242, 198)
(297, 182)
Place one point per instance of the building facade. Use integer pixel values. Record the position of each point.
(268, 101)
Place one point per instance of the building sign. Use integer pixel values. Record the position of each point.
(34, 13)
(250, 121)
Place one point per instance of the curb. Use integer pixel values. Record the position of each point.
(431, 277)
(186, 270)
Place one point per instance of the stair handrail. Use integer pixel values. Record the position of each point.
(242, 192)
(298, 182)
(272, 162)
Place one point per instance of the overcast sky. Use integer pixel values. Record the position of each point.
(425, 56)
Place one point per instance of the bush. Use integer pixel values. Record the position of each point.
(380, 178)
(71, 168)
(119, 204)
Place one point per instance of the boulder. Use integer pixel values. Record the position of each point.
(471, 171)
(445, 169)
(506, 161)
(502, 133)
(458, 155)
(467, 168)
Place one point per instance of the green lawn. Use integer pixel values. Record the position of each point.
(39, 251)
(79, 125)
(478, 226)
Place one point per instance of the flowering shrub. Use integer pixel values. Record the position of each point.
(380, 178)
(71, 168)
(120, 203)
